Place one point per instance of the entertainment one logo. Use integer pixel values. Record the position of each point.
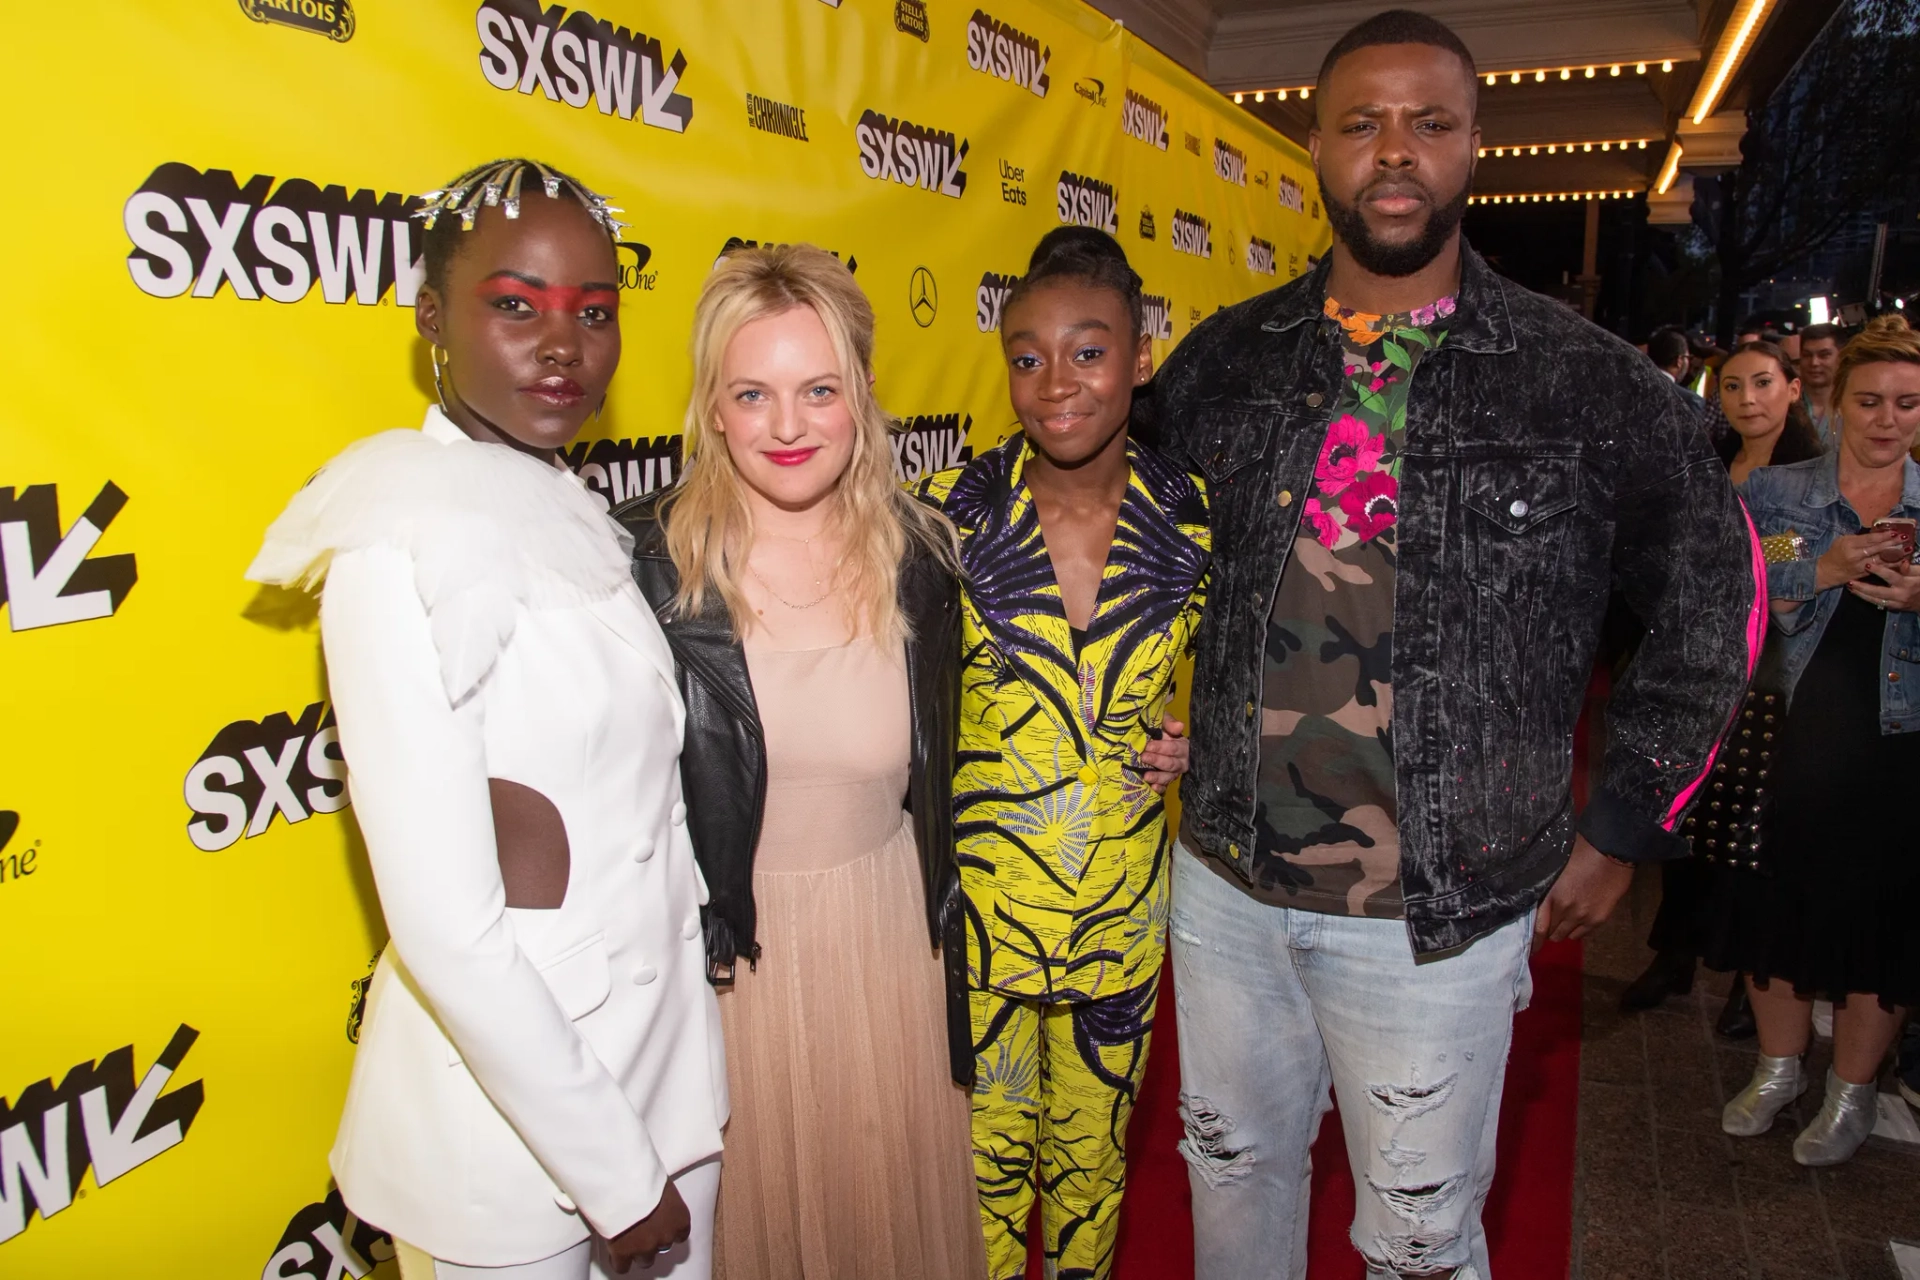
(930, 442)
(1260, 257)
(1157, 317)
(1006, 52)
(1230, 162)
(912, 155)
(1191, 233)
(254, 769)
(325, 1241)
(197, 231)
(1143, 118)
(619, 471)
(737, 242)
(1291, 196)
(330, 18)
(1087, 202)
(47, 579)
(96, 1118)
(769, 116)
(990, 299)
(579, 59)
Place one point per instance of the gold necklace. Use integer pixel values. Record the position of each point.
(825, 591)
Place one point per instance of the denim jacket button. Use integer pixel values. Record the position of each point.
(1313, 399)
(1286, 497)
(1894, 676)
(1519, 508)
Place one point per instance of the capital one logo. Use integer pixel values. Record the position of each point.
(581, 59)
(255, 769)
(199, 231)
(48, 579)
(97, 1118)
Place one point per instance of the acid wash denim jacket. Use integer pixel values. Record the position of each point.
(1545, 460)
(1804, 498)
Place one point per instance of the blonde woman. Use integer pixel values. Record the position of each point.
(814, 617)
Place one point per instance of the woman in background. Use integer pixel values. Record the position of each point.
(1760, 394)
(540, 1063)
(1835, 918)
(813, 611)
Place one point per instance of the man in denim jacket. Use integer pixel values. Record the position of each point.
(1424, 481)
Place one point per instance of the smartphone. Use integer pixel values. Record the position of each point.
(1904, 528)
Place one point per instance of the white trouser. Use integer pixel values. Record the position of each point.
(692, 1259)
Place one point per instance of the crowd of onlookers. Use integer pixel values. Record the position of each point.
(1806, 852)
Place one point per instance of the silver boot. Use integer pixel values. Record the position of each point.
(1846, 1118)
(1776, 1082)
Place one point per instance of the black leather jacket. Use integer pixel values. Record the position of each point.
(723, 761)
(1544, 461)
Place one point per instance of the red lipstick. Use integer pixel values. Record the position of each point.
(559, 392)
(789, 457)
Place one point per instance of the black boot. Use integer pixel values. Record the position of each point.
(1670, 974)
(1736, 1019)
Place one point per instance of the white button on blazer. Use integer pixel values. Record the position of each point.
(522, 1074)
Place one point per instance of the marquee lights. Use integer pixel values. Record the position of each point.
(1539, 75)
(1555, 148)
(1735, 39)
(1260, 95)
(1669, 170)
(1549, 197)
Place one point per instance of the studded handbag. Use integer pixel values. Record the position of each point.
(1727, 825)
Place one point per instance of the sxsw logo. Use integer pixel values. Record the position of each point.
(740, 242)
(1157, 317)
(1291, 196)
(1143, 118)
(254, 769)
(48, 579)
(1260, 257)
(1008, 53)
(1230, 162)
(621, 470)
(930, 442)
(197, 231)
(990, 299)
(912, 155)
(1087, 202)
(1191, 233)
(581, 59)
(325, 1241)
(97, 1118)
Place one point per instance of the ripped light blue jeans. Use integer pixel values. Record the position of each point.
(1276, 1004)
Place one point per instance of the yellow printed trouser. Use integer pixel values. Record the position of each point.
(1054, 1086)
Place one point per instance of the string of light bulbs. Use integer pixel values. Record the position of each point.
(1539, 197)
(1538, 74)
(1555, 148)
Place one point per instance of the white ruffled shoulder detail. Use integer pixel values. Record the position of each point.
(489, 530)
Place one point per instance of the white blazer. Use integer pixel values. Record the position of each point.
(522, 1074)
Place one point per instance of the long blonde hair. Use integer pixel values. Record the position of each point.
(709, 527)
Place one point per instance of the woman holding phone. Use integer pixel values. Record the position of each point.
(1834, 918)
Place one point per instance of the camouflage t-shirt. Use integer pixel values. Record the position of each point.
(1328, 838)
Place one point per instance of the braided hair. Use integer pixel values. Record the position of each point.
(445, 213)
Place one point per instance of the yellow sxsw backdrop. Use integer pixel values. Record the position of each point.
(117, 927)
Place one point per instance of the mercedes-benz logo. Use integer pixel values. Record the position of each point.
(923, 297)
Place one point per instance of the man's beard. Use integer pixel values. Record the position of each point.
(1396, 260)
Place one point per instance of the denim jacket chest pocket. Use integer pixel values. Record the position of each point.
(1516, 528)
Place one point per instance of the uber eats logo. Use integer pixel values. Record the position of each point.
(198, 231)
(1230, 162)
(1191, 233)
(254, 769)
(1007, 53)
(621, 470)
(48, 579)
(1087, 202)
(912, 155)
(930, 442)
(97, 1118)
(325, 1241)
(1260, 256)
(578, 59)
(990, 299)
(1143, 118)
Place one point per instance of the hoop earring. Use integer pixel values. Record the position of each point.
(439, 388)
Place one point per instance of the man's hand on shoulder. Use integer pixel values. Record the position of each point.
(1583, 898)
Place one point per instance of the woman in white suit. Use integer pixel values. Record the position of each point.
(540, 1087)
